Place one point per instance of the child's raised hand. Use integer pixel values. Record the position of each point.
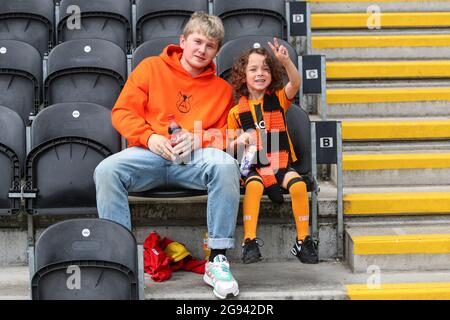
(280, 51)
(244, 139)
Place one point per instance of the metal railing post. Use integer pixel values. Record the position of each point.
(314, 209)
(340, 192)
(323, 95)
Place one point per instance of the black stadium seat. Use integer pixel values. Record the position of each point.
(68, 141)
(152, 48)
(108, 20)
(232, 49)
(252, 17)
(86, 259)
(20, 77)
(156, 19)
(85, 70)
(12, 155)
(28, 21)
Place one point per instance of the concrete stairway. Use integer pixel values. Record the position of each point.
(405, 247)
(389, 87)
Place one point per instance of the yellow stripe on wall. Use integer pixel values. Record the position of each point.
(400, 291)
(337, 42)
(395, 130)
(354, 162)
(386, 20)
(397, 203)
(377, 0)
(402, 244)
(388, 69)
(337, 96)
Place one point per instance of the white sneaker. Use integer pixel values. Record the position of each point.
(218, 276)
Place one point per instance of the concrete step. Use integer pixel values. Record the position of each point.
(280, 280)
(277, 236)
(395, 129)
(379, 32)
(400, 291)
(404, 247)
(364, 20)
(184, 220)
(383, 206)
(387, 83)
(277, 239)
(388, 102)
(376, 46)
(414, 69)
(395, 169)
(395, 146)
(410, 202)
(358, 6)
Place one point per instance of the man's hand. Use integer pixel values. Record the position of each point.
(185, 143)
(160, 145)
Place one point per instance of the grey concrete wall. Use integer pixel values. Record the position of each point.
(13, 247)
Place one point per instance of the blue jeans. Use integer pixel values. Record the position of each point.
(136, 169)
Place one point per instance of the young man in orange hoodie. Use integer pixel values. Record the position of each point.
(181, 81)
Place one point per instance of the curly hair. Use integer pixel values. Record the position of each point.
(238, 74)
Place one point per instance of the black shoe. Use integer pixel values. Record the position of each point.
(305, 251)
(250, 251)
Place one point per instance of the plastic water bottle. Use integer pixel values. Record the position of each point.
(206, 248)
(247, 160)
(174, 129)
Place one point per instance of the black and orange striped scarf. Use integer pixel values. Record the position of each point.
(271, 158)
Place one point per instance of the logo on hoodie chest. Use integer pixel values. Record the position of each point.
(184, 102)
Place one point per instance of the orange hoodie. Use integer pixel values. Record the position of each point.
(160, 86)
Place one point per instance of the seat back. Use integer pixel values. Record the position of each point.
(85, 70)
(252, 17)
(12, 155)
(156, 19)
(86, 259)
(151, 48)
(101, 19)
(20, 77)
(232, 49)
(28, 21)
(69, 140)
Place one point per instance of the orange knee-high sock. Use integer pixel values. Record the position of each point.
(300, 206)
(253, 192)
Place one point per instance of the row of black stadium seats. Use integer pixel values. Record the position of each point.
(82, 79)
(81, 71)
(68, 140)
(34, 21)
(89, 70)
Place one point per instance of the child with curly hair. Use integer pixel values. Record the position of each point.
(257, 78)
